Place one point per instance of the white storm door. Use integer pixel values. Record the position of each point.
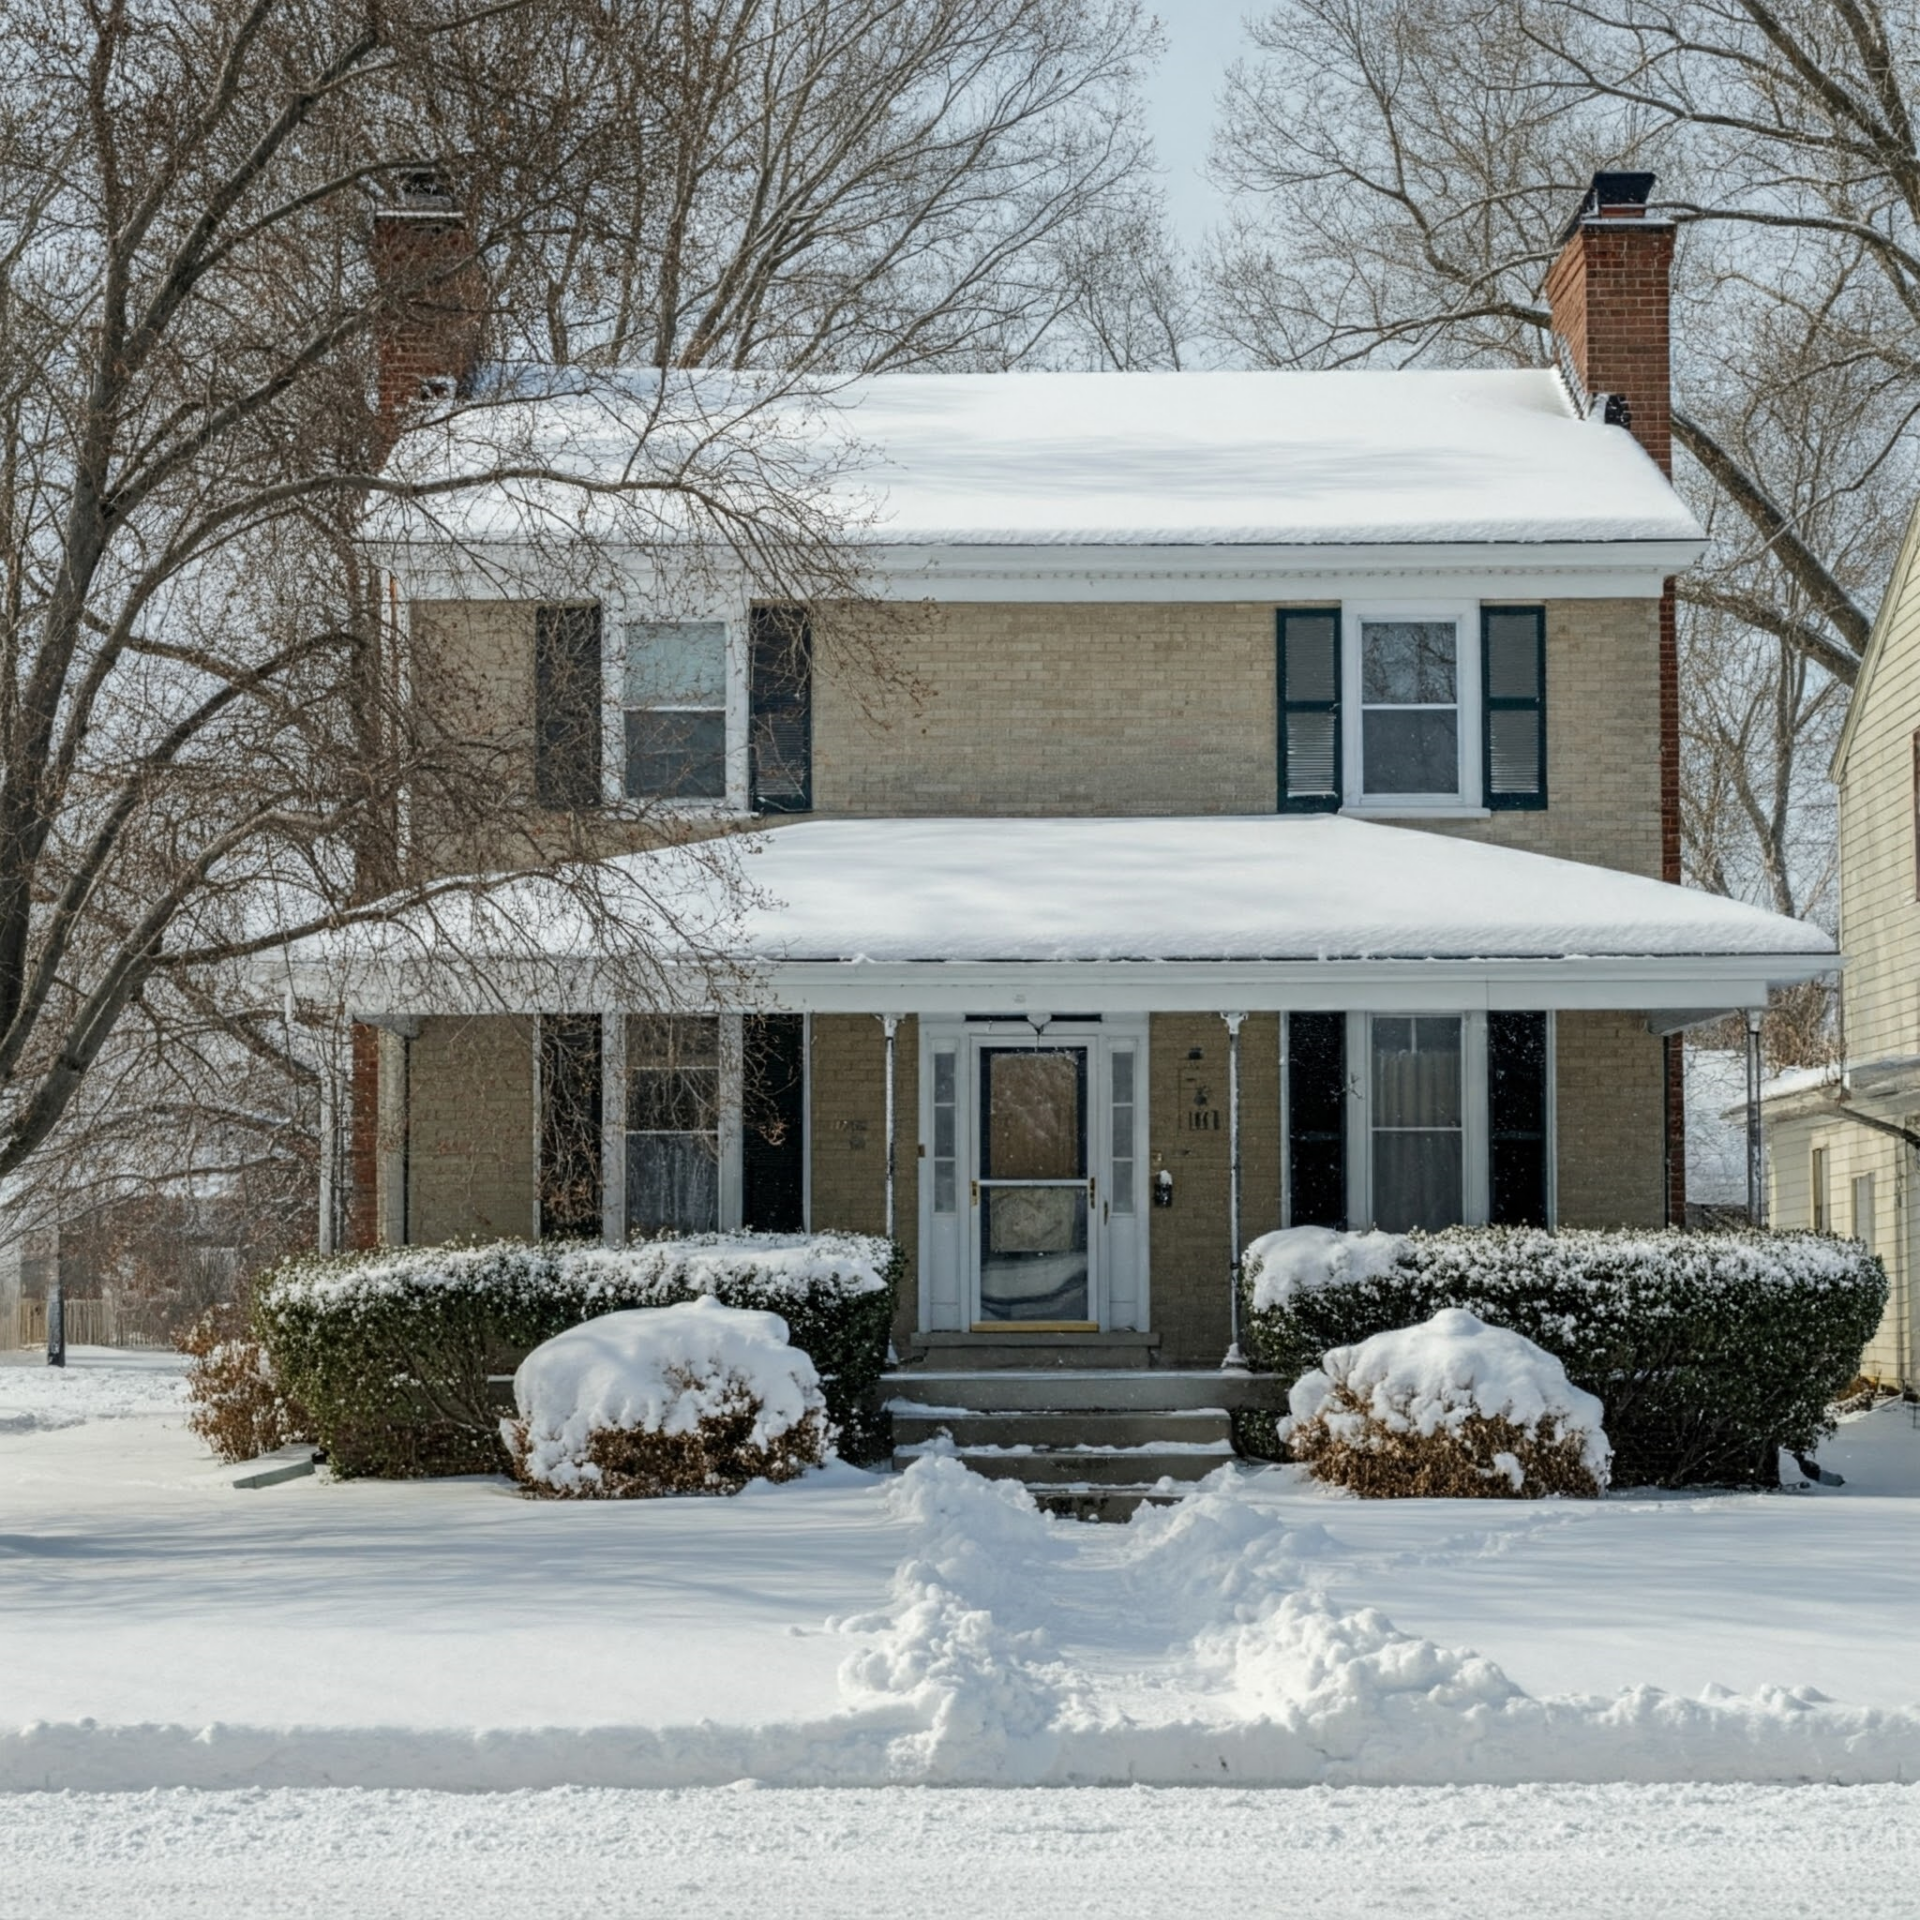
(1033, 1192)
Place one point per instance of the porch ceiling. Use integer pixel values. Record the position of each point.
(1070, 915)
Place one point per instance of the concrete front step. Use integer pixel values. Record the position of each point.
(1079, 1466)
(1100, 1503)
(1061, 1428)
(1062, 1351)
(1128, 1390)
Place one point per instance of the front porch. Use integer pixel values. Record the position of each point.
(1070, 1066)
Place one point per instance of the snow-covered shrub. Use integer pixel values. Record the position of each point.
(696, 1398)
(1709, 1351)
(1450, 1409)
(235, 1404)
(394, 1350)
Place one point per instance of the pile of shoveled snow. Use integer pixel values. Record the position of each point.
(1433, 1378)
(97, 1383)
(1268, 1680)
(660, 1370)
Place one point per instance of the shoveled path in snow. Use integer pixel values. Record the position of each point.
(1515, 1853)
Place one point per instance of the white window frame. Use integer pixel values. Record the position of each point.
(627, 609)
(613, 1111)
(1475, 1158)
(1466, 801)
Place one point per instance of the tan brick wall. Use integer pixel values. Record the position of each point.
(1608, 1084)
(1189, 1244)
(1056, 709)
(471, 1140)
(1088, 709)
(1603, 741)
(847, 1069)
(1145, 709)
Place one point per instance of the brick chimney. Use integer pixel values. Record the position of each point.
(1608, 295)
(430, 328)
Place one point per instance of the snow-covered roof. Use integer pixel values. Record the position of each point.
(1250, 458)
(853, 895)
(1051, 459)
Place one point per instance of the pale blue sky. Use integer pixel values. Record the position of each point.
(1203, 36)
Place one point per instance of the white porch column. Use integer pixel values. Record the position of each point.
(1235, 1361)
(1756, 1140)
(890, 1023)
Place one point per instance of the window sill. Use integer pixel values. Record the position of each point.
(1379, 811)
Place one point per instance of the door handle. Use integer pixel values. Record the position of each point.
(973, 1193)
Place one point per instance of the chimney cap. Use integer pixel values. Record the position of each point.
(424, 188)
(1618, 196)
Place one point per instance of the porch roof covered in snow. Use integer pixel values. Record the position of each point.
(1055, 916)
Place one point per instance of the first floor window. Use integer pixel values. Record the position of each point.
(1418, 1122)
(1822, 1206)
(674, 702)
(1863, 1209)
(673, 1123)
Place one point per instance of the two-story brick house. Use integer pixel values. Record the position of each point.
(1281, 828)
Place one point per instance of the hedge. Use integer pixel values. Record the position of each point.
(390, 1351)
(1708, 1350)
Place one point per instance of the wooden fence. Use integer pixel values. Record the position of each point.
(90, 1323)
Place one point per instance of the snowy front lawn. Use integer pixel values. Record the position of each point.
(158, 1628)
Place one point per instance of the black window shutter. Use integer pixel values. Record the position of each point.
(1308, 663)
(570, 1125)
(773, 1145)
(566, 707)
(1517, 1118)
(780, 702)
(1513, 681)
(1317, 1119)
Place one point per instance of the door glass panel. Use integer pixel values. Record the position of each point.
(944, 1182)
(1035, 1126)
(1417, 1122)
(1033, 1192)
(1033, 1254)
(1120, 1188)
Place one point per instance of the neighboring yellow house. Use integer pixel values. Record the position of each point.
(1841, 1143)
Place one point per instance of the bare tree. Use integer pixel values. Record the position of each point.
(203, 739)
(844, 184)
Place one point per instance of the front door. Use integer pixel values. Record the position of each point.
(1034, 1250)
(1033, 1174)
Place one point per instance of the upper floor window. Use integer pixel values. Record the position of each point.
(674, 709)
(1397, 709)
(1410, 709)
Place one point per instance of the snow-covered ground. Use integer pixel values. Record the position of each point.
(1473, 1853)
(97, 1383)
(159, 1628)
